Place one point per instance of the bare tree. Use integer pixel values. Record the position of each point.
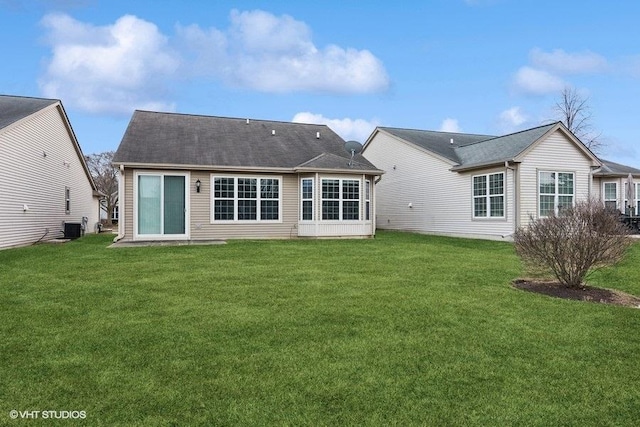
(574, 111)
(573, 243)
(105, 175)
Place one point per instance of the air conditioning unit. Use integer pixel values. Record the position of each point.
(72, 230)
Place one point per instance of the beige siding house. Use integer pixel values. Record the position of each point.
(45, 180)
(192, 177)
(478, 185)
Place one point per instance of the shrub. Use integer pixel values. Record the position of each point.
(574, 243)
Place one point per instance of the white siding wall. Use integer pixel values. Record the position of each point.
(556, 153)
(30, 178)
(441, 200)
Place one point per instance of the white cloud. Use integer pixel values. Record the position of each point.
(450, 125)
(511, 120)
(560, 62)
(112, 69)
(536, 81)
(276, 54)
(131, 64)
(349, 129)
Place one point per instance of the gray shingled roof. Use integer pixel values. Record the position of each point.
(610, 168)
(472, 150)
(500, 148)
(437, 142)
(180, 139)
(14, 108)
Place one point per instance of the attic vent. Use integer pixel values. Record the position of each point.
(273, 131)
(247, 121)
(317, 135)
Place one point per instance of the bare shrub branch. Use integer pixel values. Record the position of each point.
(574, 243)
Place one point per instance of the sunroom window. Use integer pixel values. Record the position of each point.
(611, 195)
(340, 199)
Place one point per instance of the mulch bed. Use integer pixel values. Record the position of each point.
(588, 293)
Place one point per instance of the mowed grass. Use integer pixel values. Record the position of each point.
(402, 329)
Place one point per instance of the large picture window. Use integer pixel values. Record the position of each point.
(556, 191)
(488, 195)
(246, 198)
(340, 199)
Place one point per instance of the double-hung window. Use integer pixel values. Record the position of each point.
(246, 198)
(307, 199)
(67, 200)
(340, 199)
(610, 190)
(556, 191)
(488, 195)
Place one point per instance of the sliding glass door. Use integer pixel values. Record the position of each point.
(161, 205)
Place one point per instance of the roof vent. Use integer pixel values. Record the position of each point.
(451, 141)
(317, 135)
(247, 121)
(273, 131)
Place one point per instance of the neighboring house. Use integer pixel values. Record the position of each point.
(191, 177)
(484, 186)
(610, 186)
(104, 215)
(44, 179)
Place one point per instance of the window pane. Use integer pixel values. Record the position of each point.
(307, 210)
(496, 183)
(565, 183)
(480, 206)
(247, 209)
(350, 190)
(497, 205)
(269, 210)
(223, 210)
(223, 188)
(247, 188)
(149, 213)
(307, 189)
(546, 205)
(351, 210)
(564, 202)
(547, 183)
(330, 209)
(330, 189)
(269, 188)
(610, 191)
(479, 185)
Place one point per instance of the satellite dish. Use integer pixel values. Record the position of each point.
(353, 147)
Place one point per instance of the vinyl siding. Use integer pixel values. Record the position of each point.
(30, 178)
(555, 153)
(440, 200)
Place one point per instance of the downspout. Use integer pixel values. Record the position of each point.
(121, 216)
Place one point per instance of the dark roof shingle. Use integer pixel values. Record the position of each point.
(15, 108)
(195, 140)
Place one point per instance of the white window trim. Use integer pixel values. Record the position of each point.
(604, 193)
(488, 197)
(187, 204)
(67, 200)
(312, 199)
(556, 194)
(367, 201)
(341, 200)
(235, 219)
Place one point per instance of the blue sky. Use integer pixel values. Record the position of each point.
(476, 66)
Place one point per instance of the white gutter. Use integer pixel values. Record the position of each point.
(121, 198)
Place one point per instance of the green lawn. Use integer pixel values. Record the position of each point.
(402, 329)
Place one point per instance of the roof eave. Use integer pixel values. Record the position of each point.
(339, 170)
(495, 163)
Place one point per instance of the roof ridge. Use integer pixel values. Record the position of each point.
(435, 131)
(232, 118)
(508, 134)
(31, 97)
